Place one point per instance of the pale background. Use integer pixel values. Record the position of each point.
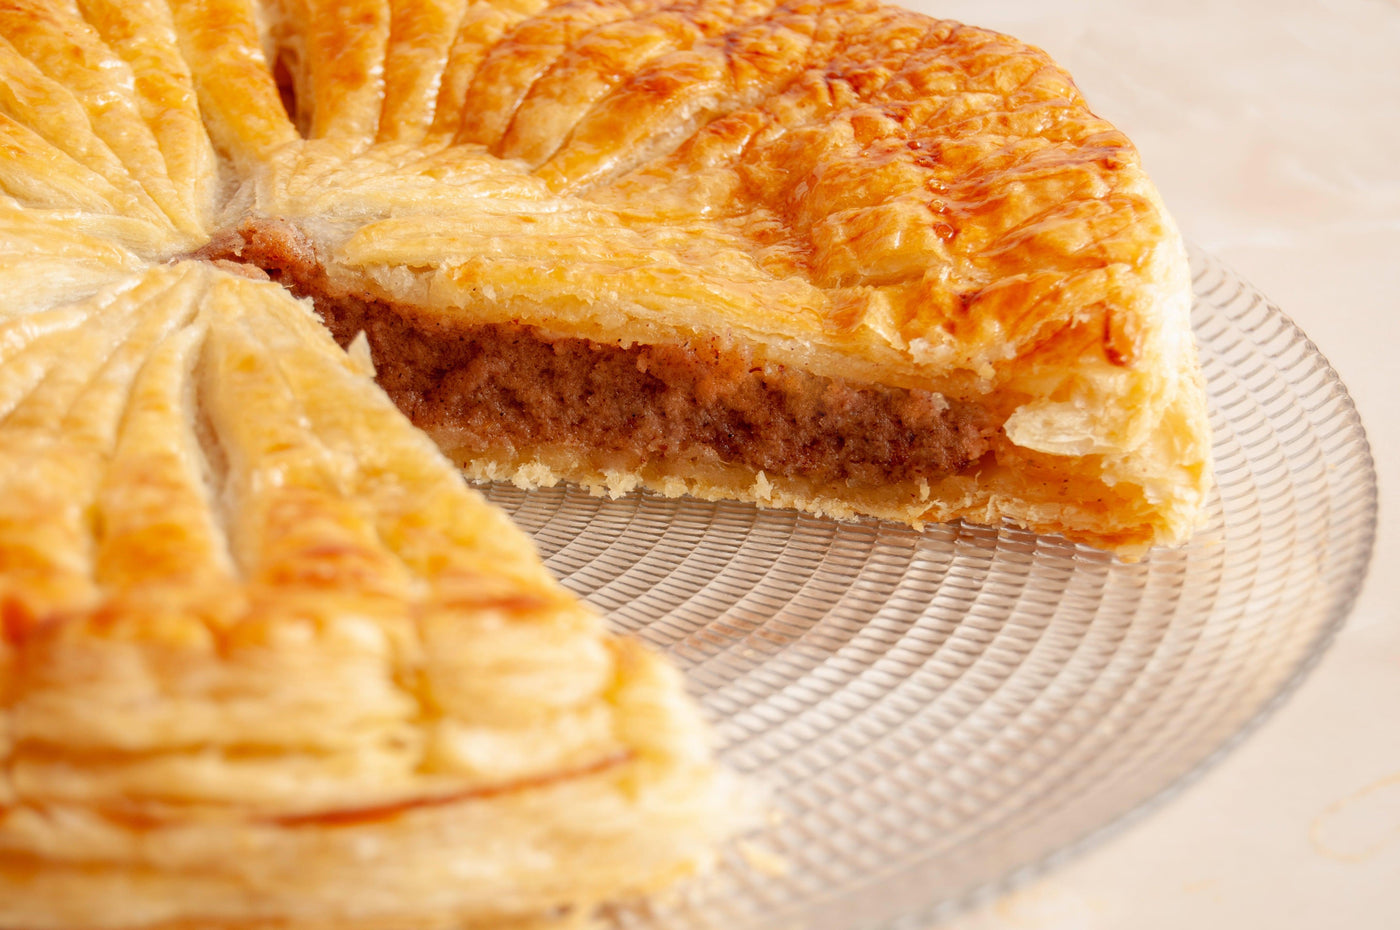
(1273, 132)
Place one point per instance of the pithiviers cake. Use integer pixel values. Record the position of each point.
(266, 660)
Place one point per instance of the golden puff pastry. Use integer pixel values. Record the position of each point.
(827, 255)
(264, 659)
(268, 661)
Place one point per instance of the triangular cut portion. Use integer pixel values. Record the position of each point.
(266, 655)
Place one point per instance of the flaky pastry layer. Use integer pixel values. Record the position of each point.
(843, 189)
(264, 659)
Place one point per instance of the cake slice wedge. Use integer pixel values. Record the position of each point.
(268, 661)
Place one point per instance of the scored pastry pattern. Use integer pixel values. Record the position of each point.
(246, 602)
(248, 607)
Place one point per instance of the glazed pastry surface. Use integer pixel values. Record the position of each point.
(844, 189)
(248, 606)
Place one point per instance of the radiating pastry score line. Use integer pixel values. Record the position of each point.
(480, 28)
(395, 179)
(287, 512)
(674, 96)
(345, 47)
(238, 97)
(50, 478)
(48, 108)
(602, 59)
(70, 51)
(37, 173)
(518, 58)
(28, 346)
(142, 33)
(17, 334)
(68, 360)
(421, 36)
(374, 437)
(79, 252)
(98, 413)
(159, 518)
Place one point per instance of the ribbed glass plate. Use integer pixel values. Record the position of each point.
(936, 713)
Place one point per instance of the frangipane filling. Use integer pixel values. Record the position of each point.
(508, 388)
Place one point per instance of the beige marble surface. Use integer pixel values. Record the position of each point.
(1273, 131)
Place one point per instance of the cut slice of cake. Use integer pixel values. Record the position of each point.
(267, 660)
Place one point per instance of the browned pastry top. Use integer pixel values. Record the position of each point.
(247, 606)
(848, 189)
(915, 193)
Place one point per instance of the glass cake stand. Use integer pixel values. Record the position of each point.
(936, 715)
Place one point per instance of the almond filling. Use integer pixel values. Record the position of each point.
(510, 388)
